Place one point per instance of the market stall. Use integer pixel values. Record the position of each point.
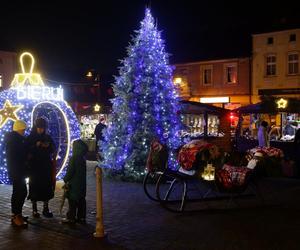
(282, 116)
(203, 121)
(88, 124)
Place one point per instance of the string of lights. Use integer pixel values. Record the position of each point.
(29, 98)
(146, 104)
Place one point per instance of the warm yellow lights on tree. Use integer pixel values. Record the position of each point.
(8, 112)
(282, 103)
(29, 77)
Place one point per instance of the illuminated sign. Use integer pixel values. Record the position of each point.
(40, 93)
(30, 85)
(29, 77)
(282, 103)
(224, 99)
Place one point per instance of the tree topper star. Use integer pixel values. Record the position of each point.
(281, 103)
(9, 112)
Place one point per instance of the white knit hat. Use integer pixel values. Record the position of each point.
(19, 125)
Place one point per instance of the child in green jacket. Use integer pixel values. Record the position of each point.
(75, 180)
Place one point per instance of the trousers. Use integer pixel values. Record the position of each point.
(77, 209)
(18, 195)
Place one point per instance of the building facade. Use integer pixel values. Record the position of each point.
(223, 83)
(8, 68)
(275, 64)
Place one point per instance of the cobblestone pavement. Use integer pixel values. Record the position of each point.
(134, 222)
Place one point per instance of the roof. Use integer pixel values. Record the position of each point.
(269, 107)
(276, 32)
(197, 107)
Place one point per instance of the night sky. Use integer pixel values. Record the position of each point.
(68, 40)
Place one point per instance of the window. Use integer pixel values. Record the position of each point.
(292, 37)
(293, 63)
(194, 124)
(231, 74)
(0, 80)
(207, 76)
(271, 65)
(213, 122)
(270, 40)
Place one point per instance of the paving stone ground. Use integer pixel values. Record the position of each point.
(134, 222)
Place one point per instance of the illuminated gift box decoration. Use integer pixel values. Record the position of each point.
(29, 98)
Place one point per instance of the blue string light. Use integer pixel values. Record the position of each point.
(56, 112)
(146, 104)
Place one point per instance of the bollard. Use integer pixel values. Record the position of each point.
(99, 215)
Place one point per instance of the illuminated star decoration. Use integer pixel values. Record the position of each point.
(29, 98)
(97, 108)
(281, 103)
(9, 112)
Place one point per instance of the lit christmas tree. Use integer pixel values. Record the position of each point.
(145, 105)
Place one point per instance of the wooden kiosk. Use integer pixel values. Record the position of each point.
(203, 121)
(283, 117)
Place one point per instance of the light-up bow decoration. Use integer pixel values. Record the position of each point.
(29, 77)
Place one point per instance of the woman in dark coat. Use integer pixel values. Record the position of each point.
(75, 180)
(41, 168)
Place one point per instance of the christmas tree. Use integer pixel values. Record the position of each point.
(145, 104)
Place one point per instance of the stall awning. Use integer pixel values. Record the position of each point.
(189, 107)
(274, 105)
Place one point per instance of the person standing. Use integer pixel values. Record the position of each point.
(99, 133)
(16, 157)
(41, 167)
(75, 180)
(297, 150)
(263, 137)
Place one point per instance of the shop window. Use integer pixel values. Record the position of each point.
(231, 73)
(271, 65)
(292, 37)
(293, 63)
(194, 124)
(270, 40)
(213, 123)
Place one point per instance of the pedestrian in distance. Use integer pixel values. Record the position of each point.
(263, 137)
(75, 181)
(16, 157)
(99, 136)
(297, 150)
(41, 167)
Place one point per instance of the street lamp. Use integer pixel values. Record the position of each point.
(89, 74)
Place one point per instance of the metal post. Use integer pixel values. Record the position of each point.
(99, 216)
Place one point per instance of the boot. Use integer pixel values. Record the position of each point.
(17, 221)
(81, 221)
(35, 213)
(68, 221)
(46, 212)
